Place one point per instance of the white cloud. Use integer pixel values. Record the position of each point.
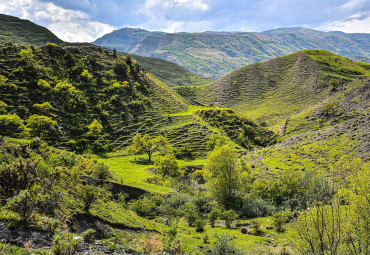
(358, 23)
(68, 25)
(352, 4)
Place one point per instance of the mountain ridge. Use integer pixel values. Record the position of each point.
(213, 54)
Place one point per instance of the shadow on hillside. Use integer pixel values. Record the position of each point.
(142, 161)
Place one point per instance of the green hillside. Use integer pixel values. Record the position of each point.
(22, 31)
(281, 88)
(25, 32)
(213, 54)
(169, 73)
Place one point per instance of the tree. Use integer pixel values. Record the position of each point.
(334, 83)
(40, 125)
(95, 128)
(44, 107)
(3, 106)
(223, 175)
(147, 144)
(215, 141)
(167, 165)
(11, 125)
(229, 216)
(114, 53)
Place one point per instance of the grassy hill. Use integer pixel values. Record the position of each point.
(169, 73)
(213, 54)
(25, 32)
(293, 86)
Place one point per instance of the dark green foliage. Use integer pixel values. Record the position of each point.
(11, 125)
(199, 224)
(256, 207)
(19, 175)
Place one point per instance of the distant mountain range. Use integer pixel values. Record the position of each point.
(213, 54)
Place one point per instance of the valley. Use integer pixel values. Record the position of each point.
(107, 152)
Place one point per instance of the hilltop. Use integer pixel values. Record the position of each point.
(21, 31)
(292, 87)
(25, 32)
(213, 54)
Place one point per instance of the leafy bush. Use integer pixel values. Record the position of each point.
(229, 216)
(225, 244)
(256, 207)
(102, 171)
(199, 225)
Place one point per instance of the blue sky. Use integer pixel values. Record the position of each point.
(86, 20)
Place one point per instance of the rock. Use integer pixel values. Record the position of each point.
(244, 231)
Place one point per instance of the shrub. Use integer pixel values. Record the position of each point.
(256, 207)
(65, 244)
(101, 171)
(199, 225)
(229, 216)
(225, 244)
(89, 235)
(213, 216)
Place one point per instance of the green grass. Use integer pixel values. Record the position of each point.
(135, 174)
(246, 242)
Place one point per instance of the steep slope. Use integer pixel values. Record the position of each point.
(169, 73)
(281, 88)
(213, 54)
(25, 32)
(84, 98)
(79, 86)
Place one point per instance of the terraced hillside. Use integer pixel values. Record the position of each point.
(213, 54)
(291, 89)
(86, 98)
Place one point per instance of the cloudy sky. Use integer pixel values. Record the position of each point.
(86, 20)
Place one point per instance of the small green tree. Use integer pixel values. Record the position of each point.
(147, 144)
(223, 175)
(11, 125)
(167, 165)
(213, 215)
(225, 245)
(40, 125)
(44, 107)
(215, 141)
(229, 216)
(95, 128)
